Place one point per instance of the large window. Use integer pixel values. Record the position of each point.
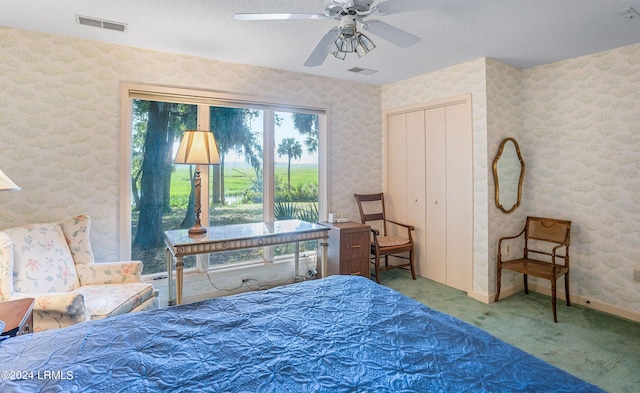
(271, 169)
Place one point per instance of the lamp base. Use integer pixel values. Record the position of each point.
(197, 230)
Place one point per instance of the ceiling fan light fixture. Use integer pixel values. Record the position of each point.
(350, 41)
(334, 49)
(365, 45)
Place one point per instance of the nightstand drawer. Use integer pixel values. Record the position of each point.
(355, 267)
(349, 248)
(355, 245)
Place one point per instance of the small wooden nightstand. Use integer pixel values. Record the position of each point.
(17, 316)
(349, 248)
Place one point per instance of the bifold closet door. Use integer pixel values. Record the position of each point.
(405, 178)
(459, 151)
(435, 263)
(416, 183)
(396, 178)
(429, 185)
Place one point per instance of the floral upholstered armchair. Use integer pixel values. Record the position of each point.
(54, 264)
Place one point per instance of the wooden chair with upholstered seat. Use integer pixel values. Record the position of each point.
(372, 212)
(543, 237)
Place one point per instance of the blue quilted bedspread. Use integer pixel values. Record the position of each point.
(339, 334)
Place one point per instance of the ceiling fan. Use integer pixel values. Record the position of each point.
(353, 16)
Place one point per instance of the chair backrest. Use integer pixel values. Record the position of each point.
(372, 212)
(76, 231)
(42, 258)
(546, 230)
(42, 261)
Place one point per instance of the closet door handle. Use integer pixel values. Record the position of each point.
(435, 202)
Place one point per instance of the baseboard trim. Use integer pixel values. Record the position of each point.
(575, 299)
(490, 298)
(589, 303)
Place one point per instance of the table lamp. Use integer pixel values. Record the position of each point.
(197, 147)
(6, 184)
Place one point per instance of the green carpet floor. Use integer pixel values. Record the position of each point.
(597, 347)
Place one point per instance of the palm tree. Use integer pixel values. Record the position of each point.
(292, 149)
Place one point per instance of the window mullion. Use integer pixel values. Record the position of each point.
(268, 159)
(268, 175)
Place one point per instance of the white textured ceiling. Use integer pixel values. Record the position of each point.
(522, 33)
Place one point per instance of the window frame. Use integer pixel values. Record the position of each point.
(131, 91)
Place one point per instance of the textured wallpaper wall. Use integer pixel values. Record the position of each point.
(582, 134)
(504, 120)
(60, 124)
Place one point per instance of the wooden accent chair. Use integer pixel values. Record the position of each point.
(542, 236)
(372, 211)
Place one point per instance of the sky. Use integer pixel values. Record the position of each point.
(285, 130)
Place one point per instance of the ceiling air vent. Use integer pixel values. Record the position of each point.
(101, 23)
(363, 71)
(628, 13)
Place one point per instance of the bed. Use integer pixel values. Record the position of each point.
(338, 334)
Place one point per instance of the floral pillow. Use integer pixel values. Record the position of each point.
(42, 259)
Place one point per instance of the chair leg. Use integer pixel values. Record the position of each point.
(566, 288)
(498, 283)
(526, 284)
(377, 267)
(413, 270)
(553, 300)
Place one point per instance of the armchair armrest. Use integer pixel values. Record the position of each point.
(564, 256)
(57, 309)
(110, 272)
(507, 238)
(409, 227)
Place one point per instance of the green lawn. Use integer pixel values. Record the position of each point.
(239, 178)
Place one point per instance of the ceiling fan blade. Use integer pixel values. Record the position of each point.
(390, 33)
(281, 16)
(320, 51)
(397, 6)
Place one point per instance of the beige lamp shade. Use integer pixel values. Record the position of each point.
(198, 147)
(6, 184)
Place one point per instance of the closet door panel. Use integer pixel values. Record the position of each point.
(416, 186)
(459, 150)
(429, 184)
(396, 195)
(436, 195)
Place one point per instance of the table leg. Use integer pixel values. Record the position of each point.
(297, 262)
(179, 269)
(170, 277)
(323, 263)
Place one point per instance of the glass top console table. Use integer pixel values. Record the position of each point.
(234, 237)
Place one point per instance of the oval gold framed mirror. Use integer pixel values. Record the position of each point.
(508, 173)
